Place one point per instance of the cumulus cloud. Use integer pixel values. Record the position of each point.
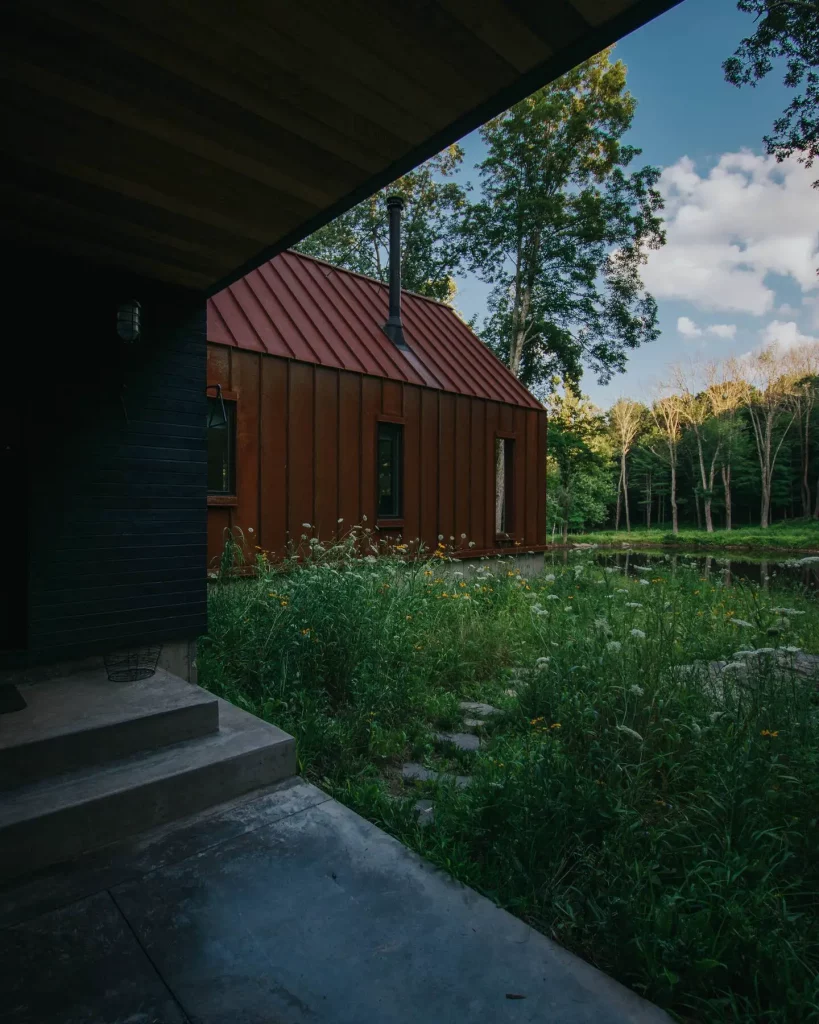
(722, 330)
(732, 226)
(687, 328)
(785, 334)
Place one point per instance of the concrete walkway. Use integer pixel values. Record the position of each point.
(281, 908)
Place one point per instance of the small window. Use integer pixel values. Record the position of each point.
(390, 457)
(504, 484)
(221, 446)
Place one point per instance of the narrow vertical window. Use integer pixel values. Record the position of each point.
(504, 484)
(390, 460)
(221, 446)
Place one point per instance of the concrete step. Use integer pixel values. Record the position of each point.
(83, 720)
(53, 820)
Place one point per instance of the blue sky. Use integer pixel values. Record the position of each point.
(738, 269)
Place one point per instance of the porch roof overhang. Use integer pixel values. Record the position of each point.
(191, 140)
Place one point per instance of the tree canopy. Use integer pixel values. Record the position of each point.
(431, 250)
(562, 228)
(787, 31)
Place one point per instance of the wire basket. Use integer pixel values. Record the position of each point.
(129, 666)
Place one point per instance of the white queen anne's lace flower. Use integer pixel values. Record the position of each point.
(630, 732)
(638, 633)
(638, 691)
(613, 645)
(633, 604)
(742, 623)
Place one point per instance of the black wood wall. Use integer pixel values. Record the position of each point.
(112, 507)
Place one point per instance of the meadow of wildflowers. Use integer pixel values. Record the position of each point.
(649, 793)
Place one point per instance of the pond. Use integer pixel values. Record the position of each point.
(766, 569)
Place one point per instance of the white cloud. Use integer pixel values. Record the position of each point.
(746, 218)
(722, 330)
(785, 334)
(687, 328)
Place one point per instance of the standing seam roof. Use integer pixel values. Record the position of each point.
(297, 307)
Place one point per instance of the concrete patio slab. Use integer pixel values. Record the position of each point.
(287, 909)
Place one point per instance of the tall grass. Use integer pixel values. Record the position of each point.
(659, 822)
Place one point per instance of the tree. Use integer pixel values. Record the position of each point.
(725, 398)
(803, 367)
(697, 412)
(431, 243)
(562, 229)
(786, 30)
(579, 484)
(625, 418)
(667, 416)
(767, 395)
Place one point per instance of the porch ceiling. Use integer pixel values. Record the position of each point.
(190, 140)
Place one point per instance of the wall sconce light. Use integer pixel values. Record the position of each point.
(129, 320)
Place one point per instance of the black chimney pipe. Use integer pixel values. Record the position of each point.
(394, 328)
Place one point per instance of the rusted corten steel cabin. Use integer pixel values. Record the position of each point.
(328, 419)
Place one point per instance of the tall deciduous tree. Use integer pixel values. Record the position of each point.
(767, 394)
(431, 239)
(562, 228)
(786, 31)
(667, 415)
(625, 418)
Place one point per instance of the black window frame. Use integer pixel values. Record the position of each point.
(391, 433)
(227, 431)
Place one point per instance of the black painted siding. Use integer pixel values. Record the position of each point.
(116, 455)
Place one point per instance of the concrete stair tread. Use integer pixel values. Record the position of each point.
(239, 733)
(56, 819)
(85, 719)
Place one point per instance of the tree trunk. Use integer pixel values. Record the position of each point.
(565, 531)
(726, 486)
(675, 515)
(806, 465)
(619, 492)
(649, 500)
(697, 507)
(624, 475)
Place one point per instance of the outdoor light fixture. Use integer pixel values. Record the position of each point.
(129, 316)
(217, 416)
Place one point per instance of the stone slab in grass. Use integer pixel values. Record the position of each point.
(413, 772)
(425, 810)
(462, 740)
(474, 724)
(476, 709)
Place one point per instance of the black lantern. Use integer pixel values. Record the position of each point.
(217, 416)
(129, 316)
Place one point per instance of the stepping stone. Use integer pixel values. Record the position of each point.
(461, 740)
(425, 810)
(478, 710)
(413, 772)
(473, 724)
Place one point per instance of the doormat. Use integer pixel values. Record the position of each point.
(10, 699)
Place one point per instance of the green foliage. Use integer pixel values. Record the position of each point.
(557, 204)
(663, 827)
(791, 535)
(787, 31)
(431, 253)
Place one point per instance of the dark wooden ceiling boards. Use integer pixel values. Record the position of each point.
(190, 140)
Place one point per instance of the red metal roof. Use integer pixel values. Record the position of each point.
(301, 308)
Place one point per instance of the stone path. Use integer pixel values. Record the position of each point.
(476, 714)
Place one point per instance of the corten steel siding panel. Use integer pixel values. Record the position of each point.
(300, 459)
(349, 446)
(273, 439)
(519, 471)
(479, 482)
(429, 466)
(490, 433)
(412, 462)
(446, 466)
(326, 454)
(245, 382)
(370, 410)
(116, 447)
(463, 463)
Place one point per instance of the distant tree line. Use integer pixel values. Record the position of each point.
(721, 445)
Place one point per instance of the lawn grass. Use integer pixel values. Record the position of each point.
(795, 535)
(663, 828)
